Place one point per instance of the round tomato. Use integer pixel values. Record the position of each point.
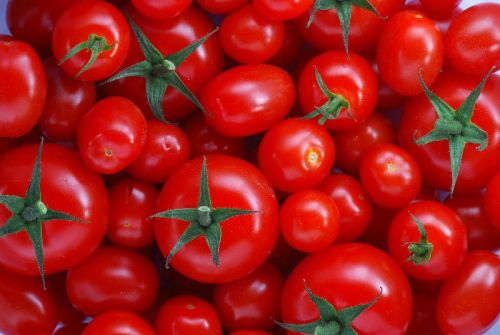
(282, 9)
(118, 323)
(387, 99)
(492, 199)
(161, 9)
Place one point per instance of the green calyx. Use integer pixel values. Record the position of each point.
(344, 11)
(455, 126)
(204, 220)
(421, 251)
(29, 213)
(159, 71)
(331, 321)
(95, 44)
(332, 108)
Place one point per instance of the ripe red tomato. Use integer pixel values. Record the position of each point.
(23, 87)
(290, 49)
(440, 8)
(250, 332)
(221, 6)
(111, 135)
(492, 199)
(118, 323)
(161, 9)
(282, 9)
(410, 42)
(423, 320)
(443, 20)
(387, 99)
(248, 99)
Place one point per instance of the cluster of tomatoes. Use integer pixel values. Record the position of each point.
(249, 167)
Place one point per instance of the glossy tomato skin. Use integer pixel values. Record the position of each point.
(185, 315)
(159, 10)
(252, 302)
(423, 321)
(469, 301)
(282, 9)
(66, 185)
(248, 99)
(445, 231)
(410, 42)
(492, 199)
(473, 39)
(350, 77)
(118, 323)
(329, 274)
(111, 135)
(246, 240)
(296, 155)
(440, 8)
(67, 101)
(23, 87)
(418, 119)
(387, 98)
(111, 279)
(221, 6)
(166, 148)
(26, 307)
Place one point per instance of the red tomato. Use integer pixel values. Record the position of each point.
(112, 279)
(111, 135)
(248, 99)
(296, 155)
(387, 99)
(410, 42)
(187, 315)
(440, 8)
(23, 87)
(309, 220)
(284, 256)
(423, 321)
(250, 332)
(221, 6)
(70, 330)
(118, 323)
(492, 199)
(469, 301)
(161, 9)
(68, 314)
(290, 49)
(282, 9)
(443, 21)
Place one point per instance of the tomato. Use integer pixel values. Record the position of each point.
(443, 20)
(428, 240)
(163, 9)
(355, 208)
(221, 6)
(352, 87)
(390, 176)
(469, 301)
(282, 9)
(187, 315)
(309, 220)
(410, 42)
(111, 135)
(67, 101)
(248, 99)
(290, 49)
(473, 39)
(118, 323)
(423, 321)
(70, 330)
(111, 279)
(347, 275)
(440, 8)
(250, 332)
(68, 314)
(131, 202)
(166, 148)
(284, 256)
(387, 99)
(23, 87)
(492, 199)
(26, 307)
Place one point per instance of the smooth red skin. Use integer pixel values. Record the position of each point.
(187, 315)
(248, 99)
(114, 124)
(410, 42)
(351, 77)
(423, 321)
(492, 199)
(473, 39)
(252, 302)
(23, 87)
(170, 36)
(390, 176)
(66, 185)
(221, 6)
(418, 119)
(352, 144)
(70, 330)
(481, 233)
(445, 230)
(387, 99)
(32, 21)
(347, 275)
(247, 240)
(118, 323)
(131, 202)
(309, 220)
(66, 102)
(26, 307)
(443, 20)
(161, 9)
(325, 32)
(296, 155)
(469, 301)
(76, 24)
(204, 140)
(110, 279)
(167, 147)
(440, 8)
(250, 332)
(354, 206)
(68, 314)
(290, 49)
(282, 9)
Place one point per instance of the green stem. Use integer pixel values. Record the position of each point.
(204, 216)
(163, 69)
(33, 212)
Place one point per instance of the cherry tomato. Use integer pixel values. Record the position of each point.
(492, 199)
(387, 99)
(118, 323)
(161, 9)
(423, 320)
(282, 9)
(443, 20)
(221, 6)
(440, 8)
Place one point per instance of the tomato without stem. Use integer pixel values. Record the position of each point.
(118, 323)
(282, 9)
(161, 9)
(440, 8)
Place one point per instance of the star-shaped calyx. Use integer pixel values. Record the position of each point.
(455, 126)
(344, 10)
(29, 213)
(421, 251)
(204, 220)
(159, 71)
(331, 321)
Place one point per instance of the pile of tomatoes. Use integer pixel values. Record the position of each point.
(249, 167)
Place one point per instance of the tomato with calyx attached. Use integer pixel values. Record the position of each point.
(115, 322)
